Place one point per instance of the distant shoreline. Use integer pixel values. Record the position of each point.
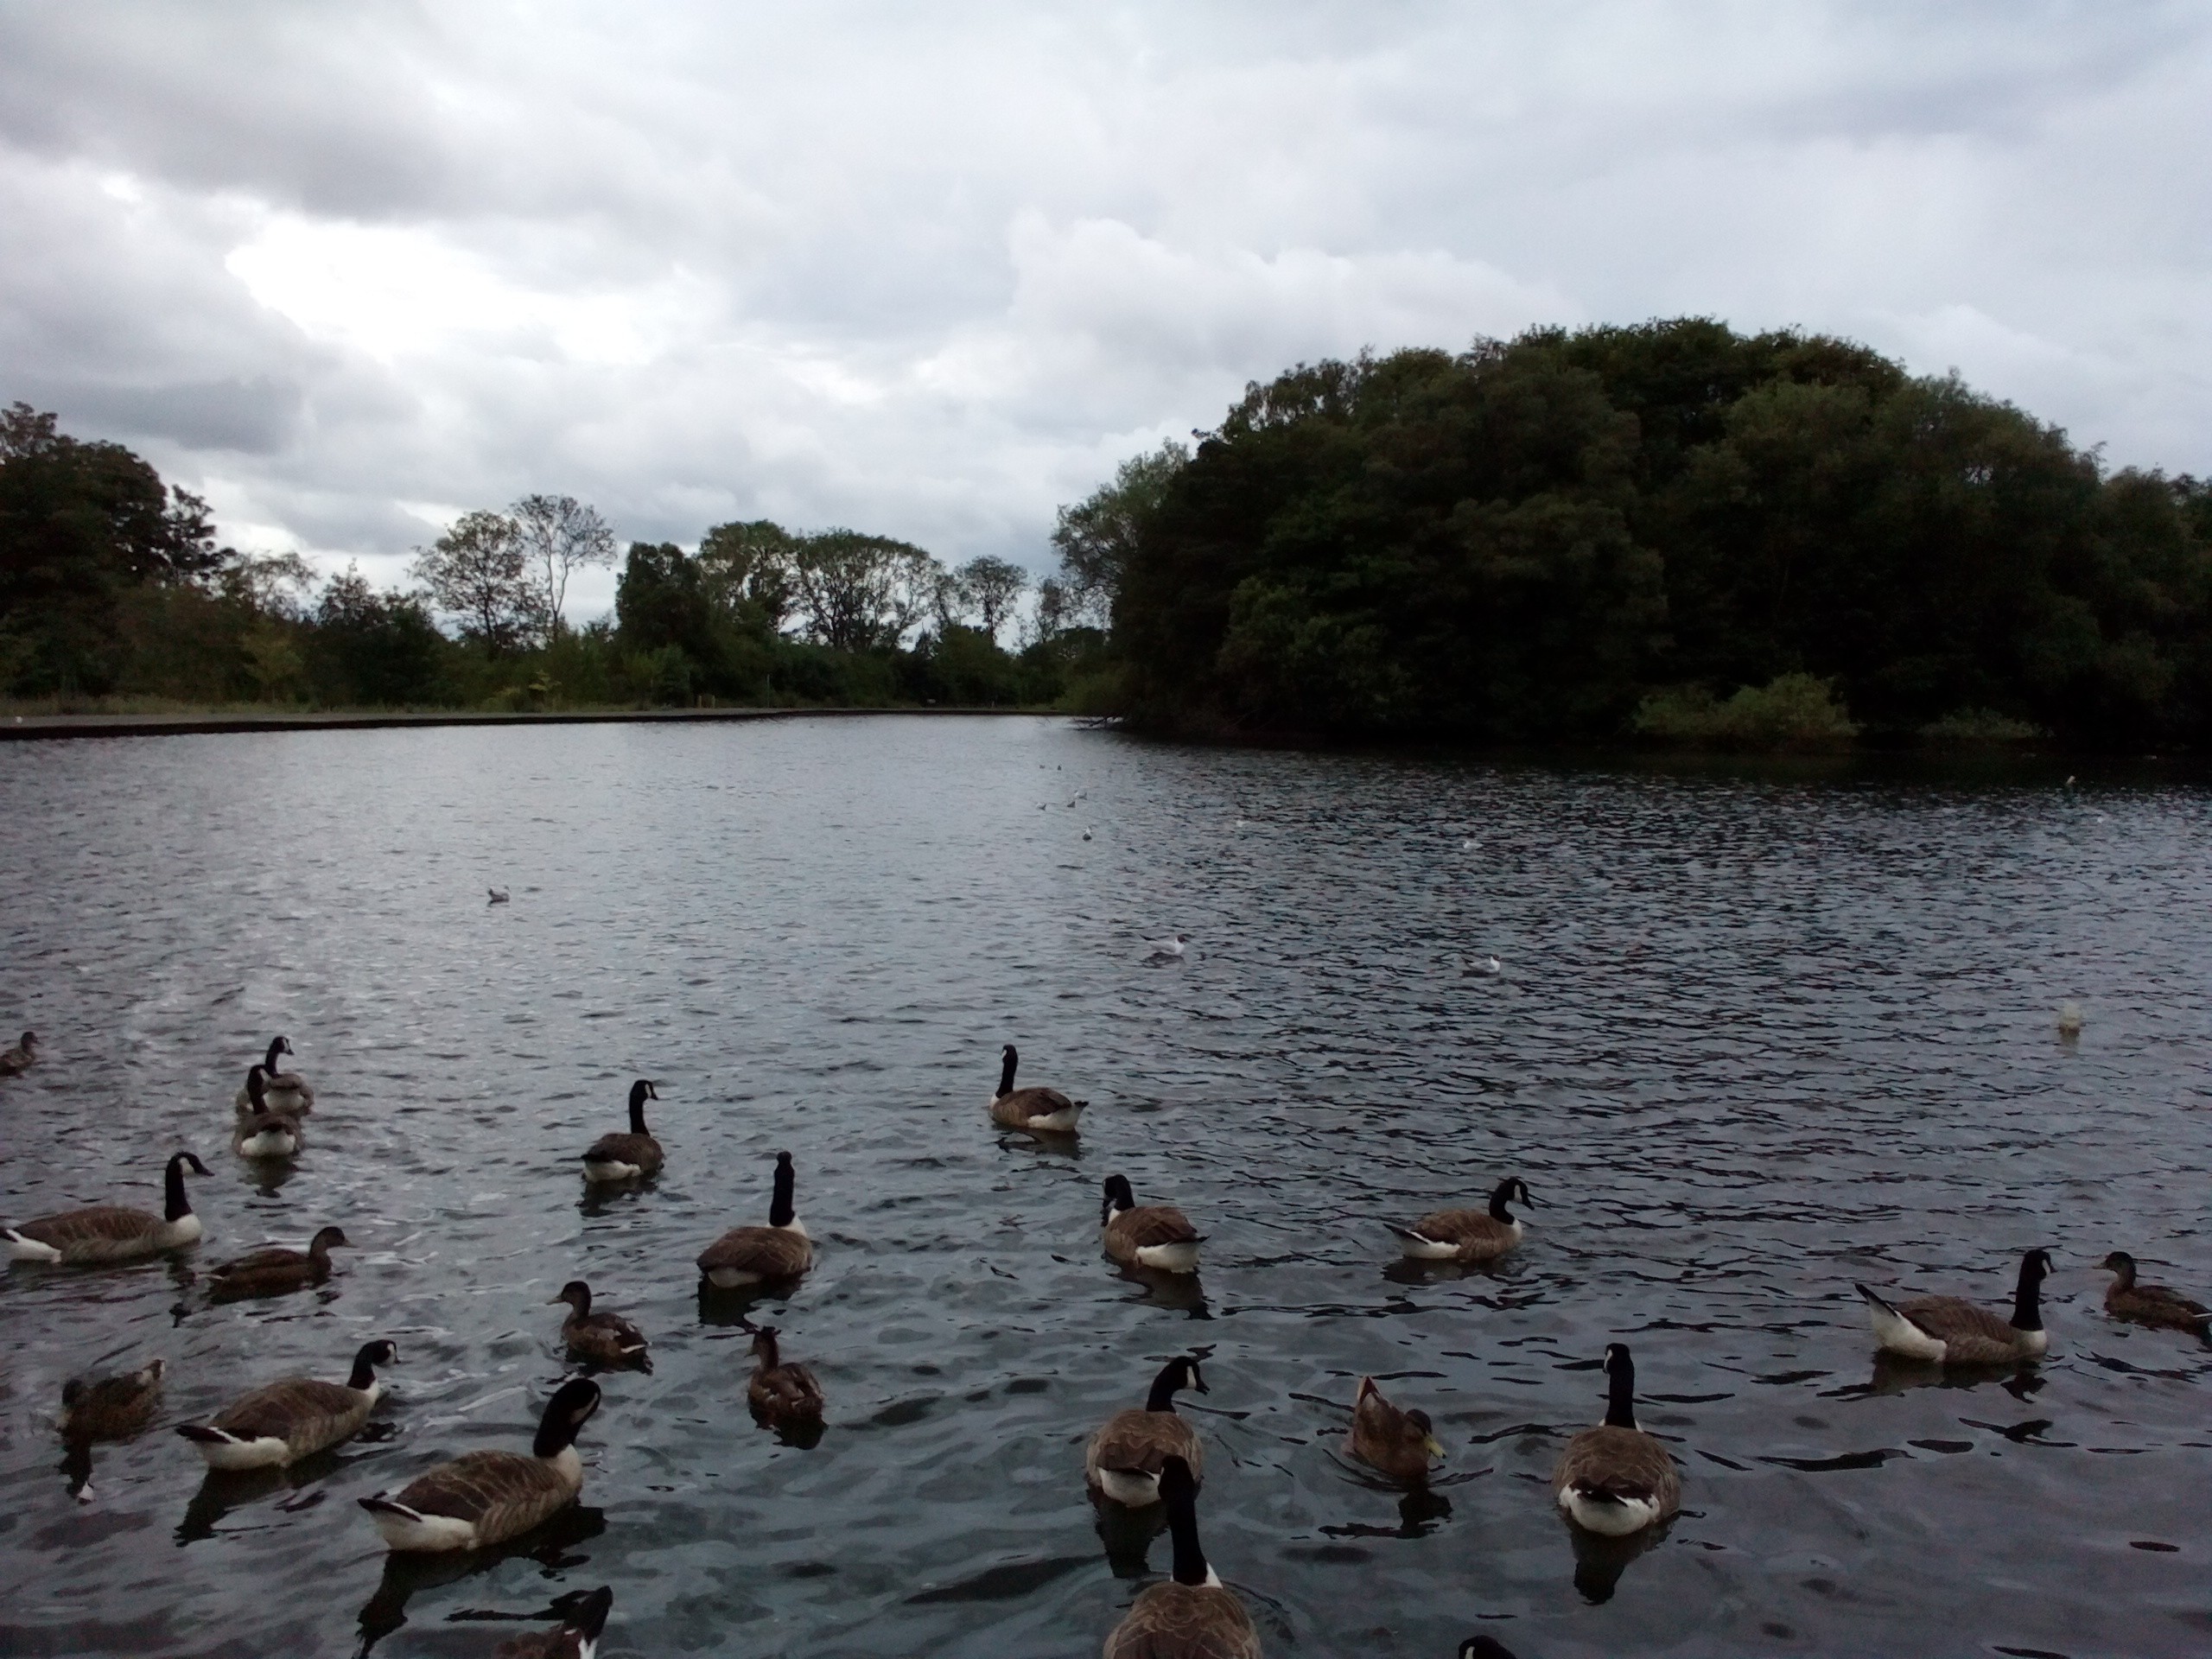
(34, 728)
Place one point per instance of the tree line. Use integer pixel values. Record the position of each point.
(1671, 529)
(113, 585)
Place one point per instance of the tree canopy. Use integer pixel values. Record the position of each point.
(1531, 540)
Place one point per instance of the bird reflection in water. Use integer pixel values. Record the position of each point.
(221, 1492)
(1895, 1376)
(407, 1573)
(1599, 1560)
(1128, 1535)
(1177, 1293)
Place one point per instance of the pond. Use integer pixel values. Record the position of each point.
(1752, 1037)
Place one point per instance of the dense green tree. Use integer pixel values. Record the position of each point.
(478, 573)
(374, 649)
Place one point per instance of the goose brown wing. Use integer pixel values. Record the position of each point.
(1018, 1108)
(1968, 1332)
(626, 1148)
(502, 1492)
(1143, 1441)
(771, 1252)
(110, 1223)
(303, 1410)
(1185, 1621)
(1626, 1462)
(1154, 1224)
(1462, 1227)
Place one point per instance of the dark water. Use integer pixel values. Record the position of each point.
(1754, 1040)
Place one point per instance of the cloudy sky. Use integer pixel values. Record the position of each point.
(931, 271)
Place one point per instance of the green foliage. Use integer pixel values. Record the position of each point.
(1532, 540)
(1793, 712)
(1968, 729)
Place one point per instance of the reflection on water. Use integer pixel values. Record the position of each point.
(1754, 1035)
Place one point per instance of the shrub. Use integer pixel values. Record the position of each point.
(1792, 711)
(1968, 729)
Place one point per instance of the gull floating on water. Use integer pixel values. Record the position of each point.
(499, 895)
(2069, 1018)
(1481, 967)
(1168, 949)
(1086, 832)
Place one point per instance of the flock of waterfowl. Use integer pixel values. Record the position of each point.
(1613, 1480)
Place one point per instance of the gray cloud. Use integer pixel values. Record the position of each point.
(348, 269)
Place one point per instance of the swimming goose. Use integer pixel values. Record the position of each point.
(486, 1497)
(1615, 1479)
(499, 895)
(1194, 1616)
(602, 1338)
(1158, 1235)
(780, 1394)
(1484, 1647)
(112, 1232)
(110, 1407)
(754, 1255)
(288, 1091)
(1396, 1443)
(2151, 1304)
(262, 1131)
(1468, 1235)
(625, 1157)
(273, 1271)
(14, 1062)
(1949, 1330)
(576, 1637)
(1040, 1111)
(293, 1418)
(1130, 1448)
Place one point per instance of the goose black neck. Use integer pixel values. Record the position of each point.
(276, 1047)
(1183, 1527)
(1162, 1398)
(2027, 1301)
(1620, 1398)
(556, 1432)
(179, 1205)
(256, 1090)
(1497, 1210)
(782, 1212)
(637, 1111)
(1006, 1073)
(364, 1369)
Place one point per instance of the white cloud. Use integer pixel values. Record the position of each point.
(933, 273)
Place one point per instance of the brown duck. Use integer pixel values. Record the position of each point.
(14, 1062)
(110, 1407)
(2151, 1304)
(274, 1271)
(1395, 1443)
(780, 1394)
(601, 1337)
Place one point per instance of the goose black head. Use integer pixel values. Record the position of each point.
(1616, 1361)
(643, 1091)
(1484, 1647)
(1180, 1372)
(187, 1161)
(566, 1414)
(283, 1046)
(1118, 1198)
(577, 1294)
(587, 1615)
(371, 1355)
(2036, 1265)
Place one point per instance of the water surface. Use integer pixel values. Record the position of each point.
(1754, 1039)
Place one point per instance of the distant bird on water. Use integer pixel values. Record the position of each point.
(1480, 967)
(1086, 832)
(14, 1062)
(499, 895)
(2070, 1019)
(1167, 950)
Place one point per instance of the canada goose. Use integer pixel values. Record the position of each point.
(1949, 1330)
(576, 1637)
(626, 1157)
(754, 1255)
(1195, 1616)
(780, 1394)
(1484, 1647)
(1468, 1235)
(1396, 1443)
(270, 1271)
(295, 1417)
(1130, 1448)
(261, 1131)
(2151, 1304)
(1615, 1479)
(1040, 1111)
(602, 1338)
(111, 1232)
(288, 1091)
(1158, 1236)
(486, 1497)
(14, 1062)
(110, 1407)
